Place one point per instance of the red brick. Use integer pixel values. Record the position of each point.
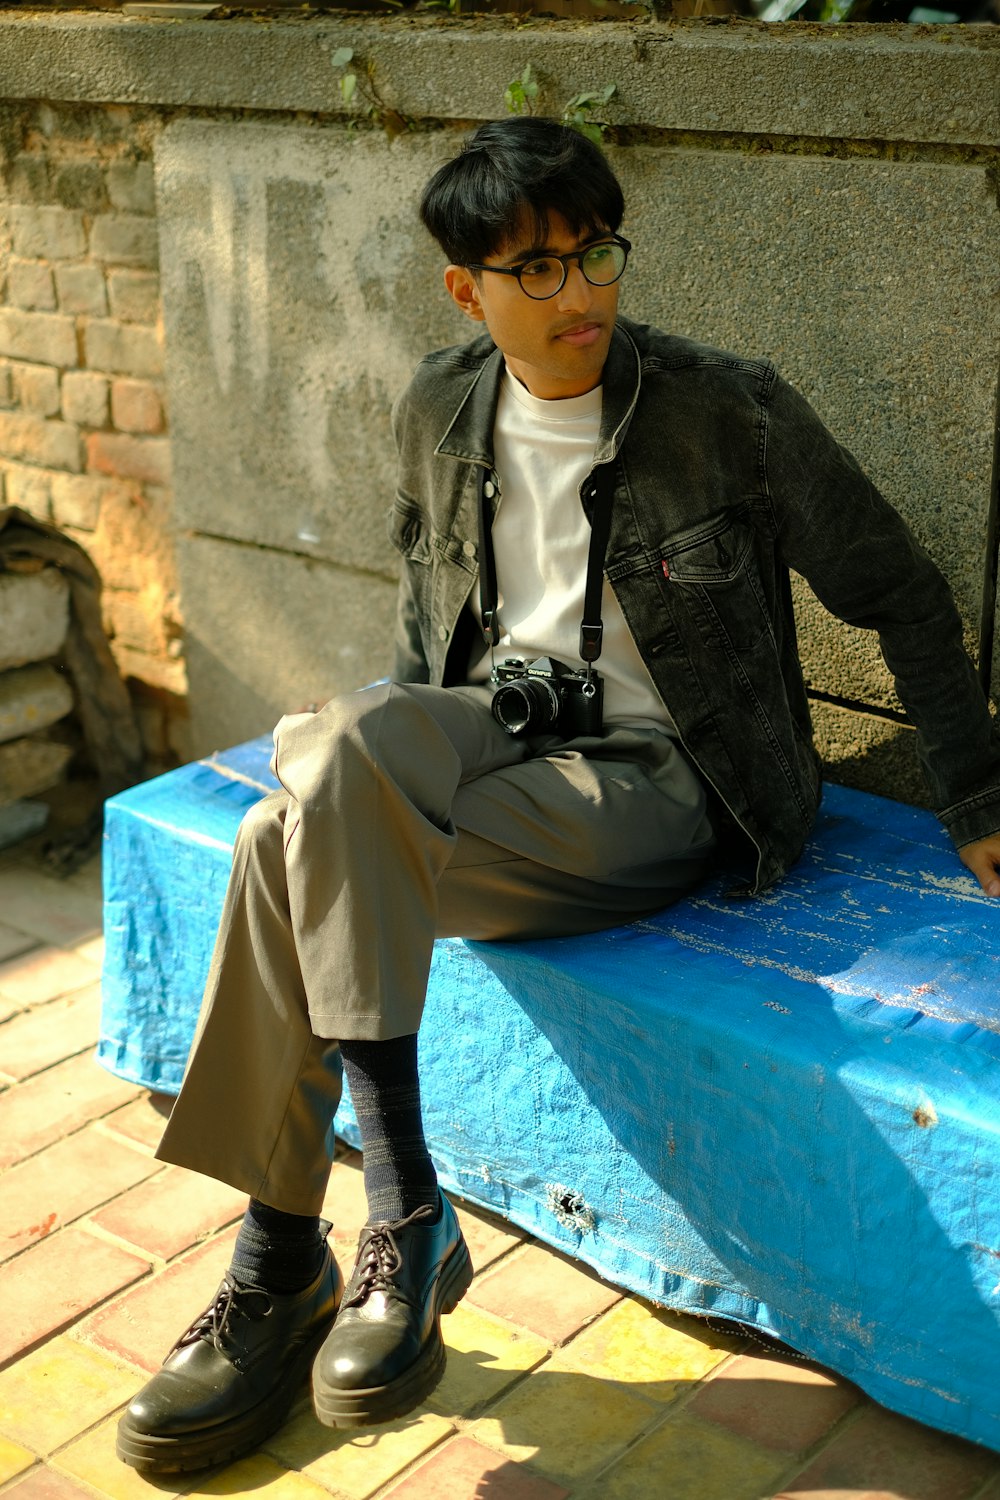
(49, 338)
(55, 1104)
(543, 1291)
(142, 1120)
(144, 1325)
(63, 1182)
(45, 974)
(13, 942)
(40, 440)
(55, 1283)
(464, 1468)
(144, 458)
(777, 1403)
(882, 1456)
(136, 406)
(46, 1484)
(172, 1213)
(49, 1033)
(487, 1237)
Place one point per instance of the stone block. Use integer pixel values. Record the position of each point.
(85, 398)
(868, 752)
(266, 632)
(32, 698)
(37, 388)
(136, 406)
(282, 373)
(135, 295)
(29, 766)
(47, 233)
(49, 338)
(872, 307)
(29, 488)
(54, 445)
(29, 285)
(80, 184)
(81, 289)
(34, 616)
(124, 240)
(121, 349)
(143, 458)
(131, 187)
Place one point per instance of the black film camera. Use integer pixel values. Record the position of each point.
(546, 696)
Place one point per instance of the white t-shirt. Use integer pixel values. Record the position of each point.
(544, 450)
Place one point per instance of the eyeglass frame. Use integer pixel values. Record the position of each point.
(577, 255)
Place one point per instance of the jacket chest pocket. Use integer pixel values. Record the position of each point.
(713, 574)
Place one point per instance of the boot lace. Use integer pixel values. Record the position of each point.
(231, 1301)
(380, 1258)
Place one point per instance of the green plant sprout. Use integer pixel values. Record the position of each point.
(360, 83)
(520, 92)
(578, 112)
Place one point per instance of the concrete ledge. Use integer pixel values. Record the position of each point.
(863, 83)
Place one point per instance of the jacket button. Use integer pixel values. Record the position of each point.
(442, 632)
(489, 489)
(469, 549)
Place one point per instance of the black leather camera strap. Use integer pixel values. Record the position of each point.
(600, 491)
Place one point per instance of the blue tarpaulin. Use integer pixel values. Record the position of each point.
(784, 1111)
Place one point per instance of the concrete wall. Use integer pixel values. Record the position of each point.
(823, 195)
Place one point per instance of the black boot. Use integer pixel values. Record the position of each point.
(231, 1378)
(385, 1353)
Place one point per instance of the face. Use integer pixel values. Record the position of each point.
(556, 348)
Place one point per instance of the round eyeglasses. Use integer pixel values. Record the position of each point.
(545, 275)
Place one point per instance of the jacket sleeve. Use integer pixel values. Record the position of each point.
(409, 661)
(866, 566)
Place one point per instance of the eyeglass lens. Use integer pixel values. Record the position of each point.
(601, 265)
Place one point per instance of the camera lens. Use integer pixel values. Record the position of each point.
(527, 703)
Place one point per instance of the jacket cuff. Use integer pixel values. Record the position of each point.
(973, 818)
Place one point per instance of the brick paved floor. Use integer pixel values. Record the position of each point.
(557, 1387)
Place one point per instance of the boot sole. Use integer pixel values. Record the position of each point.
(218, 1445)
(383, 1403)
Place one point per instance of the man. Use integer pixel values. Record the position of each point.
(619, 508)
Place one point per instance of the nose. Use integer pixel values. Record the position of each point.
(576, 293)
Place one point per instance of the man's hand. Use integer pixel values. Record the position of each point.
(983, 859)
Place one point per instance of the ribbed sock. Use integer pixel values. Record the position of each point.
(280, 1252)
(385, 1091)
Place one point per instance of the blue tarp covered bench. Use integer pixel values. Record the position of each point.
(783, 1111)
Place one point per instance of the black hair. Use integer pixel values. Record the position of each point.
(516, 172)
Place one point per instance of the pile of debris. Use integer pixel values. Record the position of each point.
(34, 693)
(55, 660)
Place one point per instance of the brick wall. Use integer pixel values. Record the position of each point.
(83, 415)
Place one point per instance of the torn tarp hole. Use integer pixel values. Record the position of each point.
(571, 1209)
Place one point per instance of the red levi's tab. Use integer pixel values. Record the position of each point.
(666, 568)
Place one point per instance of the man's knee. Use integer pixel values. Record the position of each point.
(262, 824)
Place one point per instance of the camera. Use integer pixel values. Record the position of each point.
(546, 696)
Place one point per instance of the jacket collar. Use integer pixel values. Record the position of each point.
(470, 434)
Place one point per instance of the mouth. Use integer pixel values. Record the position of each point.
(581, 336)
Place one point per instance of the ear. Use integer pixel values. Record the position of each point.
(464, 291)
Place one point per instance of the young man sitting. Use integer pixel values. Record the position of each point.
(596, 697)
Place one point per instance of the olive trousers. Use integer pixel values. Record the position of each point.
(406, 813)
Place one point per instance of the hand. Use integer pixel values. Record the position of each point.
(983, 859)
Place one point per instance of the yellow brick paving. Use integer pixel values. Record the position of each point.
(616, 1410)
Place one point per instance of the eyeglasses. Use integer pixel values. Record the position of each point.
(545, 275)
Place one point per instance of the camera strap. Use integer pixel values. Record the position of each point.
(600, 490)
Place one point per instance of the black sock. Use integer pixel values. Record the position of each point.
(278, 1251)
(385, 1091)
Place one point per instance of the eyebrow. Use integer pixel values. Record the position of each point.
(534, 252)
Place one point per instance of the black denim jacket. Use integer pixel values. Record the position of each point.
(724, 480)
